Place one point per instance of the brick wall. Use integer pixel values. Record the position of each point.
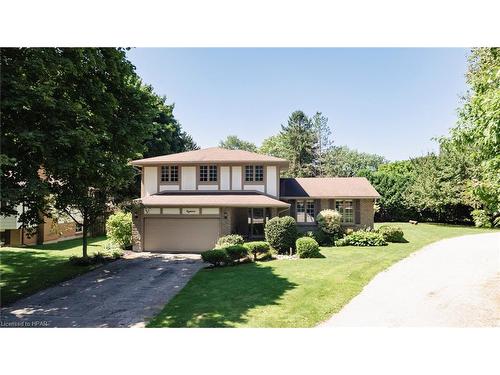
(366, 212)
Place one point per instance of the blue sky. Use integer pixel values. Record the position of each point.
(385, 101)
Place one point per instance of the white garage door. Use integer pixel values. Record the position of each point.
(180, 234)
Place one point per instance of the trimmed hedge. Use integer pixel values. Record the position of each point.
(236, 252)
(216, 257)
(362, 238)
(281, 233)
(229, 240)
(257, 247)
(307, 247)
(391, 233)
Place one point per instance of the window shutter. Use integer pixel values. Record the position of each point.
(317, 207)
(357, 214)
(331, 204)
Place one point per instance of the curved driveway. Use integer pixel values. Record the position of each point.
(453, 283)
(124, 293)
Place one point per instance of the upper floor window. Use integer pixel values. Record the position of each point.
(169, 173)
(254, 173)
(346, 208)
(305, 211)
(208, 173)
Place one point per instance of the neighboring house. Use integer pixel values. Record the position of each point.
(52, 230)
(192, 198)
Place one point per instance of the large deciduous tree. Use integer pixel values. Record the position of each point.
(72, 118)
(166, 134)
(274, 146)
(232, 142)
(341, 161)
(477, 133)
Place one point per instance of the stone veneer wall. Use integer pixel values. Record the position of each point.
(225, 221)
(137, 222)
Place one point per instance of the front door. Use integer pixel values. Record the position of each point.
(257, 218)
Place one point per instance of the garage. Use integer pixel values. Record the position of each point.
(180, 234)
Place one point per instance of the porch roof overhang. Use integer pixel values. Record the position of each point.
(211, 200)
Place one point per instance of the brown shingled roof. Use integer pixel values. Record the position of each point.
(328, 187)
(211, 200)
(211, 155)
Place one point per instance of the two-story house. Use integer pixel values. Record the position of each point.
(192, 198)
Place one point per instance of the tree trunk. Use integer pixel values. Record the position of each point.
(84, 235)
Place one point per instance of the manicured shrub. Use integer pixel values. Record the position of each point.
(257, 248)
(329, 221)
(307, 247)
(281, 233)
(119, 228)
(391, 233)
(229, 240)
(481, 219)
(236, 252)
(362, 238)
(216, 257)
(322, 238)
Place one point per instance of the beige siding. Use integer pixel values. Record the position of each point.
(272, 180)
(208, 187)
(225, 178)
(150, 180)
(169, 187)
(260, 188)
(188, 178)
(237, 170)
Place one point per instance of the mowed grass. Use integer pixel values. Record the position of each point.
(291, 293)
(24, 271)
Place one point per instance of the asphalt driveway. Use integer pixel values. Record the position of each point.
(124, 293)
(450, 283)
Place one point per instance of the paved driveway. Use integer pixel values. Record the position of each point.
(453, 283)
(124, 293)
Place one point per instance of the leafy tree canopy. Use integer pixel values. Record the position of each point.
(232, 142)
(477, 133)
(72, 118)
(341, 161)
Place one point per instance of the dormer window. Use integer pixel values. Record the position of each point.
(208, 173)
(169, 173)
(254, 173)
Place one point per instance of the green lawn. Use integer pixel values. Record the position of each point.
(24, 271)
(291, 293)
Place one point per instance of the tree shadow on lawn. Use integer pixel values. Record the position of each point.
(221, 297)
(68, 244)
(28, 271)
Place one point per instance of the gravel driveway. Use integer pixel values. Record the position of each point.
(450, 283)
(124, 293)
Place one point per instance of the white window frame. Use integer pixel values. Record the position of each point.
(346, 212)
(305, 213)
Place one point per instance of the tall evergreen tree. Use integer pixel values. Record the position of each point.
(301, 143)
